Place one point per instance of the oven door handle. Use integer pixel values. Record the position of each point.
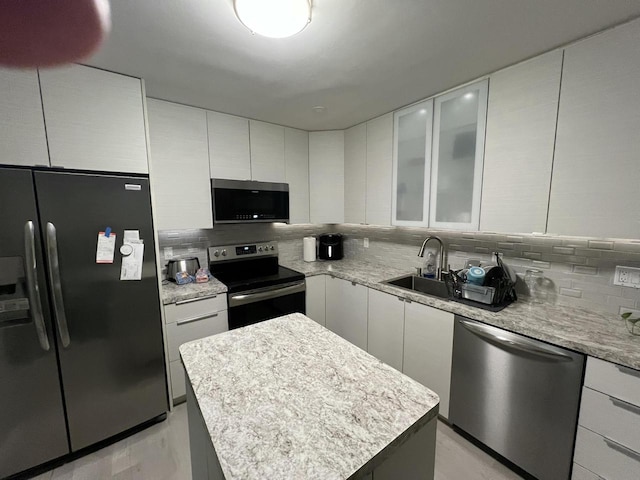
(267, 294)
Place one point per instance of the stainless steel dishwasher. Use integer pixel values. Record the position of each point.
(518, 396)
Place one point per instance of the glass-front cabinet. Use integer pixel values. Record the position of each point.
(438, 159)
(413, 128)
(458, 152)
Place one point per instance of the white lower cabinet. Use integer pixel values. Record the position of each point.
(346, 310)
(604, 457)
(187, 321)
(607, 444)
(189, 329)
(428, 349)
(386, 328)
(315, 298)
(581, 473)
(177, 373)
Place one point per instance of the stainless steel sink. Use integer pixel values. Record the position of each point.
(417, 284)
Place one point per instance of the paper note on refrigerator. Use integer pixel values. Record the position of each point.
(131, 235)
(132, 264)
(106, 248)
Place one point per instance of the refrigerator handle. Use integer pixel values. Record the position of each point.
(56, 285)
(33, 289)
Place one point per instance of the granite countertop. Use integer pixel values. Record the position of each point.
(582, 330)
(287, 398)
(172, 292)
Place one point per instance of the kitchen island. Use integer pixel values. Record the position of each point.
(289, 399)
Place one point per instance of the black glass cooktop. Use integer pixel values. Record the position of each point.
(241, 275)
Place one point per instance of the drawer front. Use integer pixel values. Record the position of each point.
(612, 462)
(184, 331)
(581, 473)
(195, 307)
(177, 380)
(614, 380)
(610, 417)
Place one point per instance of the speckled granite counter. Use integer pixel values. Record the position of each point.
(289, 399)
(592, 333)
(172, 292)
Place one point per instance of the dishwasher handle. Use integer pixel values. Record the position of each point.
(515, 342)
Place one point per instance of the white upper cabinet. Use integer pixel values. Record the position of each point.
(379, 168)
(94, 119)
(413, 127)
(355, 173)
(22, 136)
(179, 170)
(521, 125)
(458, 150)
(229, 151)
(326, 176)
(296, 156)
(267, 151)
(596, 169)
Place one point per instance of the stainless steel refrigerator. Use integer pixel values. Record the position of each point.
(81, 352)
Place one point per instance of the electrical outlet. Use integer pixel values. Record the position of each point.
(168, 252)
(366, 242)
(627, 277)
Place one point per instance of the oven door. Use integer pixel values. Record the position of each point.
(246, 308)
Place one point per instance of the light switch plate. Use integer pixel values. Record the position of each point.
(168, 252)
(366, 242)
(627, 277)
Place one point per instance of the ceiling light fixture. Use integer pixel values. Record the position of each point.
(274, 18)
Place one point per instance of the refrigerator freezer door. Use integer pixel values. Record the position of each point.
(32, 427)
(109, 331)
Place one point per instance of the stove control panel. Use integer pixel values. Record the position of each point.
(241, 252)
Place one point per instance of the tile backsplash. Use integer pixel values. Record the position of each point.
(578, 271)
(194, 243)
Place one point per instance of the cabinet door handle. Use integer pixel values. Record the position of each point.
(400, 298)
(353, 283)
(622, 449)
(628, 371)
(624, 405)
(191, 300)
(195, 319)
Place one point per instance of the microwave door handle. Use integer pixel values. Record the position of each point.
(33, 288)
(246, 298)
(56, 284)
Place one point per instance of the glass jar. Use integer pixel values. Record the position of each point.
(534, 280)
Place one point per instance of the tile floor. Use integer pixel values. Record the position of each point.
(161, 452)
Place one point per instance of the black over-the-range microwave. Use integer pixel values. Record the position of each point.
(246, 201)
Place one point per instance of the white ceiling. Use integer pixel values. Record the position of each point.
(358, 58)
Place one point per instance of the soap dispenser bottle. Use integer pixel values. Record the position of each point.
(430, 265)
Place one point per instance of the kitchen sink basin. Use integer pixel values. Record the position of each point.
(417, 284)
